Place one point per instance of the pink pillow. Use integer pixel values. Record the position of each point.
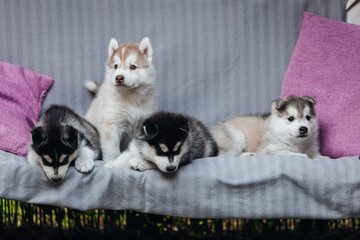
(21, 95)
(326, 65)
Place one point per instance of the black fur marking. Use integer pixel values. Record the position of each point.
(150, 130)
(60, 132)
(70, 137)
(164, 128)
(183, 125)
(57, 115)
(38, 136)
(54, 146)
(172, 128)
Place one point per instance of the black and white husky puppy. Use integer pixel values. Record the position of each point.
(61, 137)
(166, 141)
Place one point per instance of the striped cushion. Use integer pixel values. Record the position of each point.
(213, 59)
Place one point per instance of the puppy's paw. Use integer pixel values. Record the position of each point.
(84, 165)
(245, 154)
(139, 164)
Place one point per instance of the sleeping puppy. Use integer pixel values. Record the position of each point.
(61, 137)
(167, 141)
(290, 129)
(126, 97)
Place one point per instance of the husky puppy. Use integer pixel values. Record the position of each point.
(166, 141)
(61, 137)
(290, 129)
(125, 98)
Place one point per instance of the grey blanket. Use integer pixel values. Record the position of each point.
(214, 59)
(221, 187)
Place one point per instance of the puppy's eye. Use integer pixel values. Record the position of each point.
(291, 118)
(159, 151)
(133, 67)
(116, 66)
(46, 162)
(308, 117)
(65, 161)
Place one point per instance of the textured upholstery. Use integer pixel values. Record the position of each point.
(214, 59)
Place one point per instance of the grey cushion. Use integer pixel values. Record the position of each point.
(214, 59)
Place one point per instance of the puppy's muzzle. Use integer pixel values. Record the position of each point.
(119, 80)
(56, 179)
(303, 131)
(171, 168)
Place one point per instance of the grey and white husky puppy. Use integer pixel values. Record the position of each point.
(166, 141)
(290, 129)
(61, 137)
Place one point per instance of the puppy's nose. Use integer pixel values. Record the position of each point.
(170, 168)
(56, 179)
(303, 130)
(119, 79)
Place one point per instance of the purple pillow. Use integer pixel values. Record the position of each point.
(326, 65)
(21, 95)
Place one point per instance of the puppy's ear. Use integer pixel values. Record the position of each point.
(310, 100)
(113, 45)
(183, 125)
(38, 136)
(70, 137)
(150, 130)
(278, 105)
(146, 49)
